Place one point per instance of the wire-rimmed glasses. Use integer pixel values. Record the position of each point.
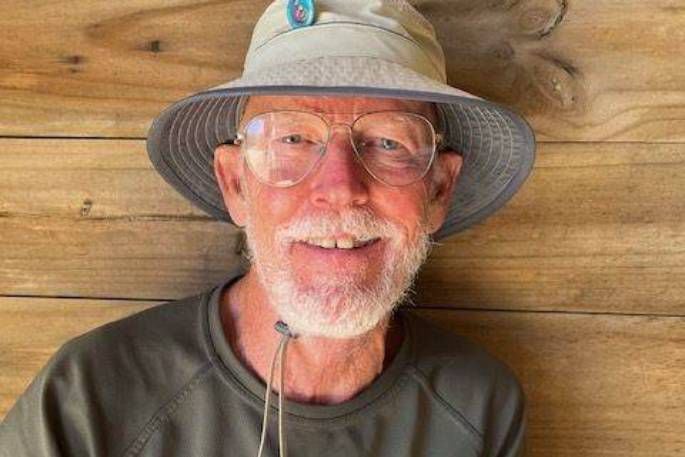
(282, 147)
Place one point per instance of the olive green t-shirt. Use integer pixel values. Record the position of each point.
(165, 382)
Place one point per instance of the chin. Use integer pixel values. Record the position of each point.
(331, 325)
(335, 288)
(340, 311)
(322, 292)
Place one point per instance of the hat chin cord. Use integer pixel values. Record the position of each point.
(282, 328)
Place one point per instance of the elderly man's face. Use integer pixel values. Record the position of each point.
(316, 288)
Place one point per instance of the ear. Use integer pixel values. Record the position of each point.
(227, 170)
(445, 173)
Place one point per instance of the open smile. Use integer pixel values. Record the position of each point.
(333, 252)
(340, 242)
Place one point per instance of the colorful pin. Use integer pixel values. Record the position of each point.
(300, 13)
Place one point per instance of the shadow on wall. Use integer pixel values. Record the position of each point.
(513, 43)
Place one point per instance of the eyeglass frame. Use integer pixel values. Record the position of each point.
(438, 145)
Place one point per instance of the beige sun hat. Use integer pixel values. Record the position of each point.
(378, 48)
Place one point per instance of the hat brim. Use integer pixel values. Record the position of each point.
(497, 144)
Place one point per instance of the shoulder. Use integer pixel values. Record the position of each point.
(162, 339)
(161, 330)
(439, 351)
(100, 389)
(480, 389)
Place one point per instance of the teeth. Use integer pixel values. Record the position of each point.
(340, 243)
(345, 243)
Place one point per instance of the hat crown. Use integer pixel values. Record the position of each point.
(391, 30)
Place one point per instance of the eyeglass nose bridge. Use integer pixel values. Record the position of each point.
(331, 127)
(357, 156)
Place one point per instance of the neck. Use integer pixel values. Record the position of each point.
(318, 370)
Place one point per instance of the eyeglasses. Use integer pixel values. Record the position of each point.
(282, 147)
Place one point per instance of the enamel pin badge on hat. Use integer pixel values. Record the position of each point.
(300, 13)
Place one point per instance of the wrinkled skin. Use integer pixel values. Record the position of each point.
(324, 369)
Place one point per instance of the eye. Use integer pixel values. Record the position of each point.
(387, 143)
(292, 139)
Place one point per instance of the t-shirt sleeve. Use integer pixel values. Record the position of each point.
(508, 418)
(49, 419)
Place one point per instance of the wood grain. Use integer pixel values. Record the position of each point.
(113, 258)
(577, 283)
(580, 70)
(34, 328)
(81, 179)
(596, 385)
(598, 227)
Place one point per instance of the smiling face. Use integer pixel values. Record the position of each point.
(338, 250)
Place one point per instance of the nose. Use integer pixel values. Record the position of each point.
(340, 180)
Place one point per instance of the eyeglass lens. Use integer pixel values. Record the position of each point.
(282, 147)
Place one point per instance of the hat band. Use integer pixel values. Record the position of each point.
(339, 39)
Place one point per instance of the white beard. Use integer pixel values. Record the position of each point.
(336, 307)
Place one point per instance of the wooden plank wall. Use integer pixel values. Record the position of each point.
(578, 284)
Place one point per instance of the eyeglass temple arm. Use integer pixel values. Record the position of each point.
(237, 140)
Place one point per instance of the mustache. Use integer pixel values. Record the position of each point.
(357, 222)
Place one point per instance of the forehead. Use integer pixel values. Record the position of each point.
(337, 104)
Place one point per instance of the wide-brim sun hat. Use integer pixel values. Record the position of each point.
(380, 48)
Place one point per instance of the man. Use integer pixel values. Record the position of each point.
(343, 154)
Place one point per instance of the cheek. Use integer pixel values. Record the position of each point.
(406, 207)
(271, 207)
